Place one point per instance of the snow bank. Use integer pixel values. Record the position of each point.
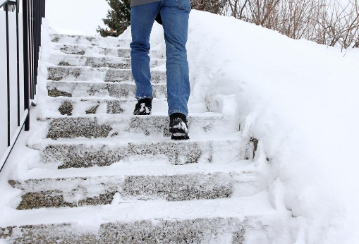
(300, 100)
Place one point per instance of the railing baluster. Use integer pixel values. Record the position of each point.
(8, 74)
(32, 11)
(18, 64)
(25, 22)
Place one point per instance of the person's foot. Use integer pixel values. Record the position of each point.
(178, 127)
(143, 107)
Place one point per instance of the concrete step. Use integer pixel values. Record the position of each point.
(122, 52)
(123, 127)
(83, 106)
(63, 154)
(89, 40)
(246, 221)
(80, 73)
(135, 186)
(100, 89)
(97, 62)
(73, 49)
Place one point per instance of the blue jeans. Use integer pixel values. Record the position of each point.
(175, 15)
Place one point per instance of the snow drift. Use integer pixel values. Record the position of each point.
(300, 100)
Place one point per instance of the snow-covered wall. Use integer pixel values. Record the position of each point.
(301, 101)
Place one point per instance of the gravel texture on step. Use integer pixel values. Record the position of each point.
(100, 89)
(66, 108)
(93, 50)
(88, 40)
(80, 106)
(78, 127)
(95, 127)
(122, 52)
(205, 230)
(97, 62)
(98, 74)
(178, 153)
(76, 192)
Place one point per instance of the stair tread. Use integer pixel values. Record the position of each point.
(253, 206)
(61, 44)
(87, 40)
(74, 56)
(100, 89)
(208, 115)
(155, 168)
(169, 186)
(230, 138)
(96, 68)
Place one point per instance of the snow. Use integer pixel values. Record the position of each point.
(68, 31)
(298, 98)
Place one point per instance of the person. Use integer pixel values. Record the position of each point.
(174, 15)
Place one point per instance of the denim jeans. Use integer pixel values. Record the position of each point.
(174, 14)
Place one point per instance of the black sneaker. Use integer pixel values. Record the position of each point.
(143, 107)
(178, 127)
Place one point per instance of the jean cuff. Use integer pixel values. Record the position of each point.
(143, 97)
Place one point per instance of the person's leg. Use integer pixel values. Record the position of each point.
(175, 15)
(142, 18)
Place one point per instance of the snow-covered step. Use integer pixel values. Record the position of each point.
(88, 40)
(63, 154)
(80, 73)
(100, 89)
(97, 62)
(92, 126)
(73, 49)
(246, 221)
(83, 106)
(97, 51)
(100, 190)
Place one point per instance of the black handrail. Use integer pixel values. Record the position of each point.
(5, 2)
(33, 11)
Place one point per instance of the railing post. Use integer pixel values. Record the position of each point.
(18, 63)
(8, 74)
(25, 18)
(33, 11)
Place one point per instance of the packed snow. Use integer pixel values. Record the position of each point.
(298, 98)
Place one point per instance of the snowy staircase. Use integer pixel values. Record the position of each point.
(106, 176)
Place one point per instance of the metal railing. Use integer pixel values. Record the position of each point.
(26, 53)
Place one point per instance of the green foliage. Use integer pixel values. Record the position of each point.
(118, 18)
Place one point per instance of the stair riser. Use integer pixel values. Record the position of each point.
(97, 62)
(82, 107)
(100, 51)
(211, 230)
(85, 156)
(103, 127)
(98, 74)
(93, 51)
(47, 193)
(114, 90)
(88, 40)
